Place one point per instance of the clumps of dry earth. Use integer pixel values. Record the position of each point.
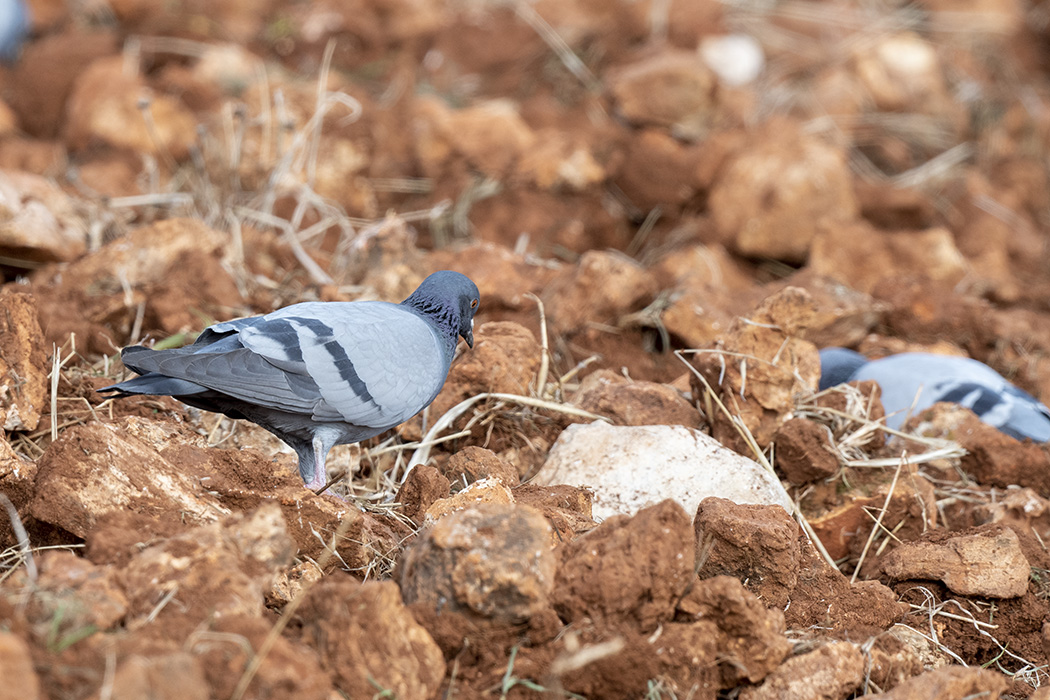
(630, 487)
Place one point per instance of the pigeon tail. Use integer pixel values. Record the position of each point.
(156, 385)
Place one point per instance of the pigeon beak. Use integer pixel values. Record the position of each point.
(469, 335)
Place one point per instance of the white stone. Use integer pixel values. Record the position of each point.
(737, 59)
(631, 467)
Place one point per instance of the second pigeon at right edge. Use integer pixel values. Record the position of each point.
(914, 381)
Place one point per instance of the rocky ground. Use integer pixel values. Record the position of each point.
(630, 486)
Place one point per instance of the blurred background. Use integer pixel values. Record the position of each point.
(661, 164)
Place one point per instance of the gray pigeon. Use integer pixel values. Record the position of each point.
(319, 374)
(934, 378)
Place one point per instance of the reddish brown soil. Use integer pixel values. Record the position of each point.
(875, 187)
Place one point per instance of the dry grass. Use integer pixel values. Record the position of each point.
(211, 186)
(17, 556)
(69, 369)
(565, 54)
(852, 429)
(445, 421)
(878, 522)
(759, 455)
(1021, 668)
(20, 554)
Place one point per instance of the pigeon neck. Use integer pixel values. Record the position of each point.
(443, 316)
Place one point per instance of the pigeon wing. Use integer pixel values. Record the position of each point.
(1010, 409)
(374, 363)
(991, 405)
(366, 363)
(239, 373)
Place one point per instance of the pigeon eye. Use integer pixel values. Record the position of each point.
(473, 303)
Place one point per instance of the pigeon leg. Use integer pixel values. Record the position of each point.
(320, 474)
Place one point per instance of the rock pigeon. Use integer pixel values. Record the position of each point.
(14, 25)
(318, 374)
(935, 378)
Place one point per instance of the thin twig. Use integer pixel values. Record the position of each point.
(878, 522)
(421, 455)
(541, 381)
(565, 54)
(22, 535)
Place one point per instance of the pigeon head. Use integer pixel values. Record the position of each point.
(451, 299)
(837, 366)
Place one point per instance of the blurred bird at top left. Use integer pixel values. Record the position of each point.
(14, 26)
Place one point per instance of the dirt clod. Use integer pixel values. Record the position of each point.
(752, 640)
(762, 367)
(830, 672)
(682, 655)
(292, 670)
(757, 544)
(803, 451)
(492, 560)
(16, 663)
(772, 197)
(999, 460)
(24, 379)
(986, 562)
(634, 403)
(603, 287)
(504, 359)
(97, 468)
(423, 486)
(670, 88)
(634, 568)
(17, 480)
(164, 677)
(567, 508)
(474, 463)
(947, 683)
(75, 594)
(256, 544)
(358, 628)
(491, 491)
